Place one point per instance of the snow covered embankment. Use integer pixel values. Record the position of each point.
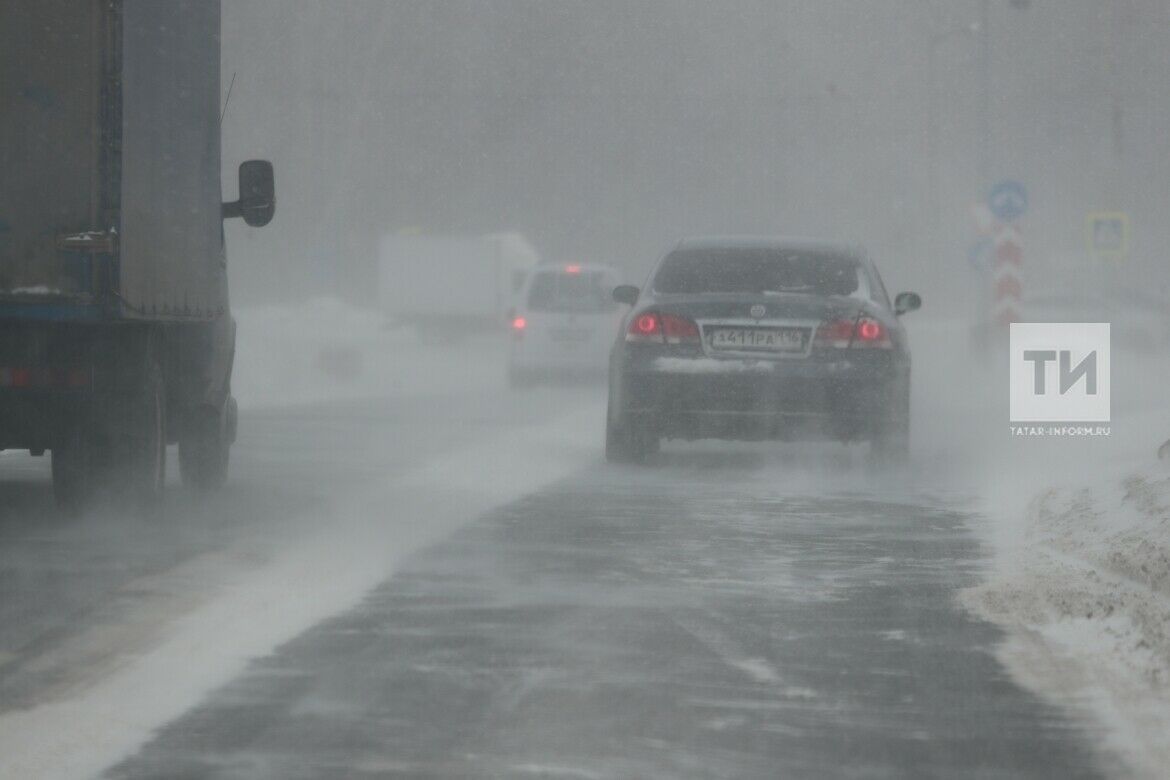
(1086, 600)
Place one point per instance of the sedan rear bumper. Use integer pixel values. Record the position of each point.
(751, 400)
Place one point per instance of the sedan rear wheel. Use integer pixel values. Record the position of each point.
(617, 445)
(627, 444)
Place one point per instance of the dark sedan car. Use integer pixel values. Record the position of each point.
(760, 338)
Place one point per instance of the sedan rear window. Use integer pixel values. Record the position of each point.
(757, 271)
(570, 292)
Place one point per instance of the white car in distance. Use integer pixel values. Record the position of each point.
(563, 324)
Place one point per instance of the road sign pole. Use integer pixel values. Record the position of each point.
(1007, 277)
(1007, 202)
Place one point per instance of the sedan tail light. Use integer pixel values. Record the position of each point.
(834, 333)
(654, 328)
(871, 333)
(863, 332)
(679, 330)
(646, 327)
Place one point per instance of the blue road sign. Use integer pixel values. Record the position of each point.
(1008, 200)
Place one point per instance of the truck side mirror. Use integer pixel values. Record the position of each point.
(257, 203)
(626, 293)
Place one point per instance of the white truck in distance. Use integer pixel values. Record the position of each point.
(447, 286)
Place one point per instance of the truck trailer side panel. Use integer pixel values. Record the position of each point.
(53, 55)
(452, 281)
(115, 331)
(425, 277)
(172, 262)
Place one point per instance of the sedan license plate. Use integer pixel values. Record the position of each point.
(782, 340)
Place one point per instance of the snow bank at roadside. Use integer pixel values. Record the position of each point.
(324, 349)
(1078, 529)
(1085, 597)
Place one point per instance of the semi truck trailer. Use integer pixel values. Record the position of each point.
(116, 333)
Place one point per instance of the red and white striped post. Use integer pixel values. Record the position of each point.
(1007, 276)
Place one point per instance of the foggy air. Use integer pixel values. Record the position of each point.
(393, 388)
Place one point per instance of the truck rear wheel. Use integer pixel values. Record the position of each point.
(73, 471)
(132, 462)
(147, 451)
(204, 447)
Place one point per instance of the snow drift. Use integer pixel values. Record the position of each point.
(325, 350)
(1086, 600)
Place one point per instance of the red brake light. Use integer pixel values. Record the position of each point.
(572, 269)
(865, 332)
(869, 330)
(871, 333)
(658, 328)
(519, 323)
(646, 326)
(44, 376)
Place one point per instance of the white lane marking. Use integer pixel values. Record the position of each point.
(727, 650)
(757, 668)
(312, 578)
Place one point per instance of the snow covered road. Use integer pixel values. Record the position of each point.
(112, 624)
(717, 614)
(417, 571)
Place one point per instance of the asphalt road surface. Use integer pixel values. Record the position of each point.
(691, 619)
(724, 611)
(61, 577)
